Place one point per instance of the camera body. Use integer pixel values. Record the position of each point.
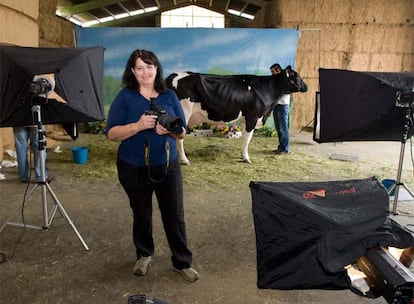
(173, 124)
(405, 99)
(137, 299)
(142, 299)
(40, 86)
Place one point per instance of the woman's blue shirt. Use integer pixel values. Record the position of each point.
(128, 107)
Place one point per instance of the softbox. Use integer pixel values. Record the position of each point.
(307, 232)
(360, 106)
(77, 95)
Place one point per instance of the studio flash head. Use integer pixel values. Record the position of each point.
(40, 86)
(405, 99)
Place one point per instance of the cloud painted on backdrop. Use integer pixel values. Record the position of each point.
(239, 51)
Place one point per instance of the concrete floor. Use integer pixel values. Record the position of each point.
(383, 153)
(52, 266)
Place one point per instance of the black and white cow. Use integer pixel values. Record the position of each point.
(229, 97)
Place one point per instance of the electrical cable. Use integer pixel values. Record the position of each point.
(3, 257)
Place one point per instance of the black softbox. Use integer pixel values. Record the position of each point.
(78, 74)
(360, 106)
(307, 232)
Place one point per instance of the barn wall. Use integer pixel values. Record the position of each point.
(18, 22)
(31, 23)
(359, 35)
(54, 31)
(18, 26)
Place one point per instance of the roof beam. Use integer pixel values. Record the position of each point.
(260, 3)
(80, 8)
(121, 22)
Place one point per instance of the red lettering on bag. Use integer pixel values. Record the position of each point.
(347, 191)
(308, 195)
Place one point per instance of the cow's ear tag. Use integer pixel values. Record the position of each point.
(287, 73)
(288, 69)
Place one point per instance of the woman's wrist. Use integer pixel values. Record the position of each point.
(133, 128)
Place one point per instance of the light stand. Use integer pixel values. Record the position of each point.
(44, 187)
(398, 183)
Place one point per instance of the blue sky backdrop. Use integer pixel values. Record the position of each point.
(233, 51)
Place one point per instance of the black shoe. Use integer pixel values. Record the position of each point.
(281, 152)
(48, 180)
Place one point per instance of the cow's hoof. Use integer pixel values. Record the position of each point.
(247, 161)
(185, 163)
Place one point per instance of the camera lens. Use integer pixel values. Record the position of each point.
(171, 123)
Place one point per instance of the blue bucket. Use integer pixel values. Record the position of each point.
(388, 183)
(80, 155)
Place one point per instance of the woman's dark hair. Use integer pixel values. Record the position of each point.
(128, 78)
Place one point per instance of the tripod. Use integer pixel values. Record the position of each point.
(45, 188)
(398, 183)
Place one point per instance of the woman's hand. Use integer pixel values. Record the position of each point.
(147, 122)
(120, 133)
(160, 129)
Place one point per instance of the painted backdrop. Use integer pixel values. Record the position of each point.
(203, 50)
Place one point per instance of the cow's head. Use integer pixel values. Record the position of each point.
(296, 84)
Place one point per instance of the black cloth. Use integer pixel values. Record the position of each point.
(361, 106)
(78, 74)
(306, 232)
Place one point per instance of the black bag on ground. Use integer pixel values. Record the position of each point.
(307, 232)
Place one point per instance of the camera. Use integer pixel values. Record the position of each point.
(137, 299)
(40, 86)
(405, 99)
(173, 124)
(142, 299)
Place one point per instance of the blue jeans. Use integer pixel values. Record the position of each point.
(281, 119)
(21, 137)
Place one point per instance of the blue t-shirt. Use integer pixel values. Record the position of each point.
(128, 106)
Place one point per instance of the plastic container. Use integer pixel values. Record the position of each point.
(388, 183)
(80, 155)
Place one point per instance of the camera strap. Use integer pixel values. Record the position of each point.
(147, 161)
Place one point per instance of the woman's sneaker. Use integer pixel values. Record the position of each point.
(141, 266)
(189, 274)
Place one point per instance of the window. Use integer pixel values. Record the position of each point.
(192, 16)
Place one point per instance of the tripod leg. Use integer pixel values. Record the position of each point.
(52, 214)
(398, 182)
(408, 190)
(8, 221)
(394, 206)
(63, 212)
(47, 219)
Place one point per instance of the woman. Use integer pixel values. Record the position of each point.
(147, 159)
